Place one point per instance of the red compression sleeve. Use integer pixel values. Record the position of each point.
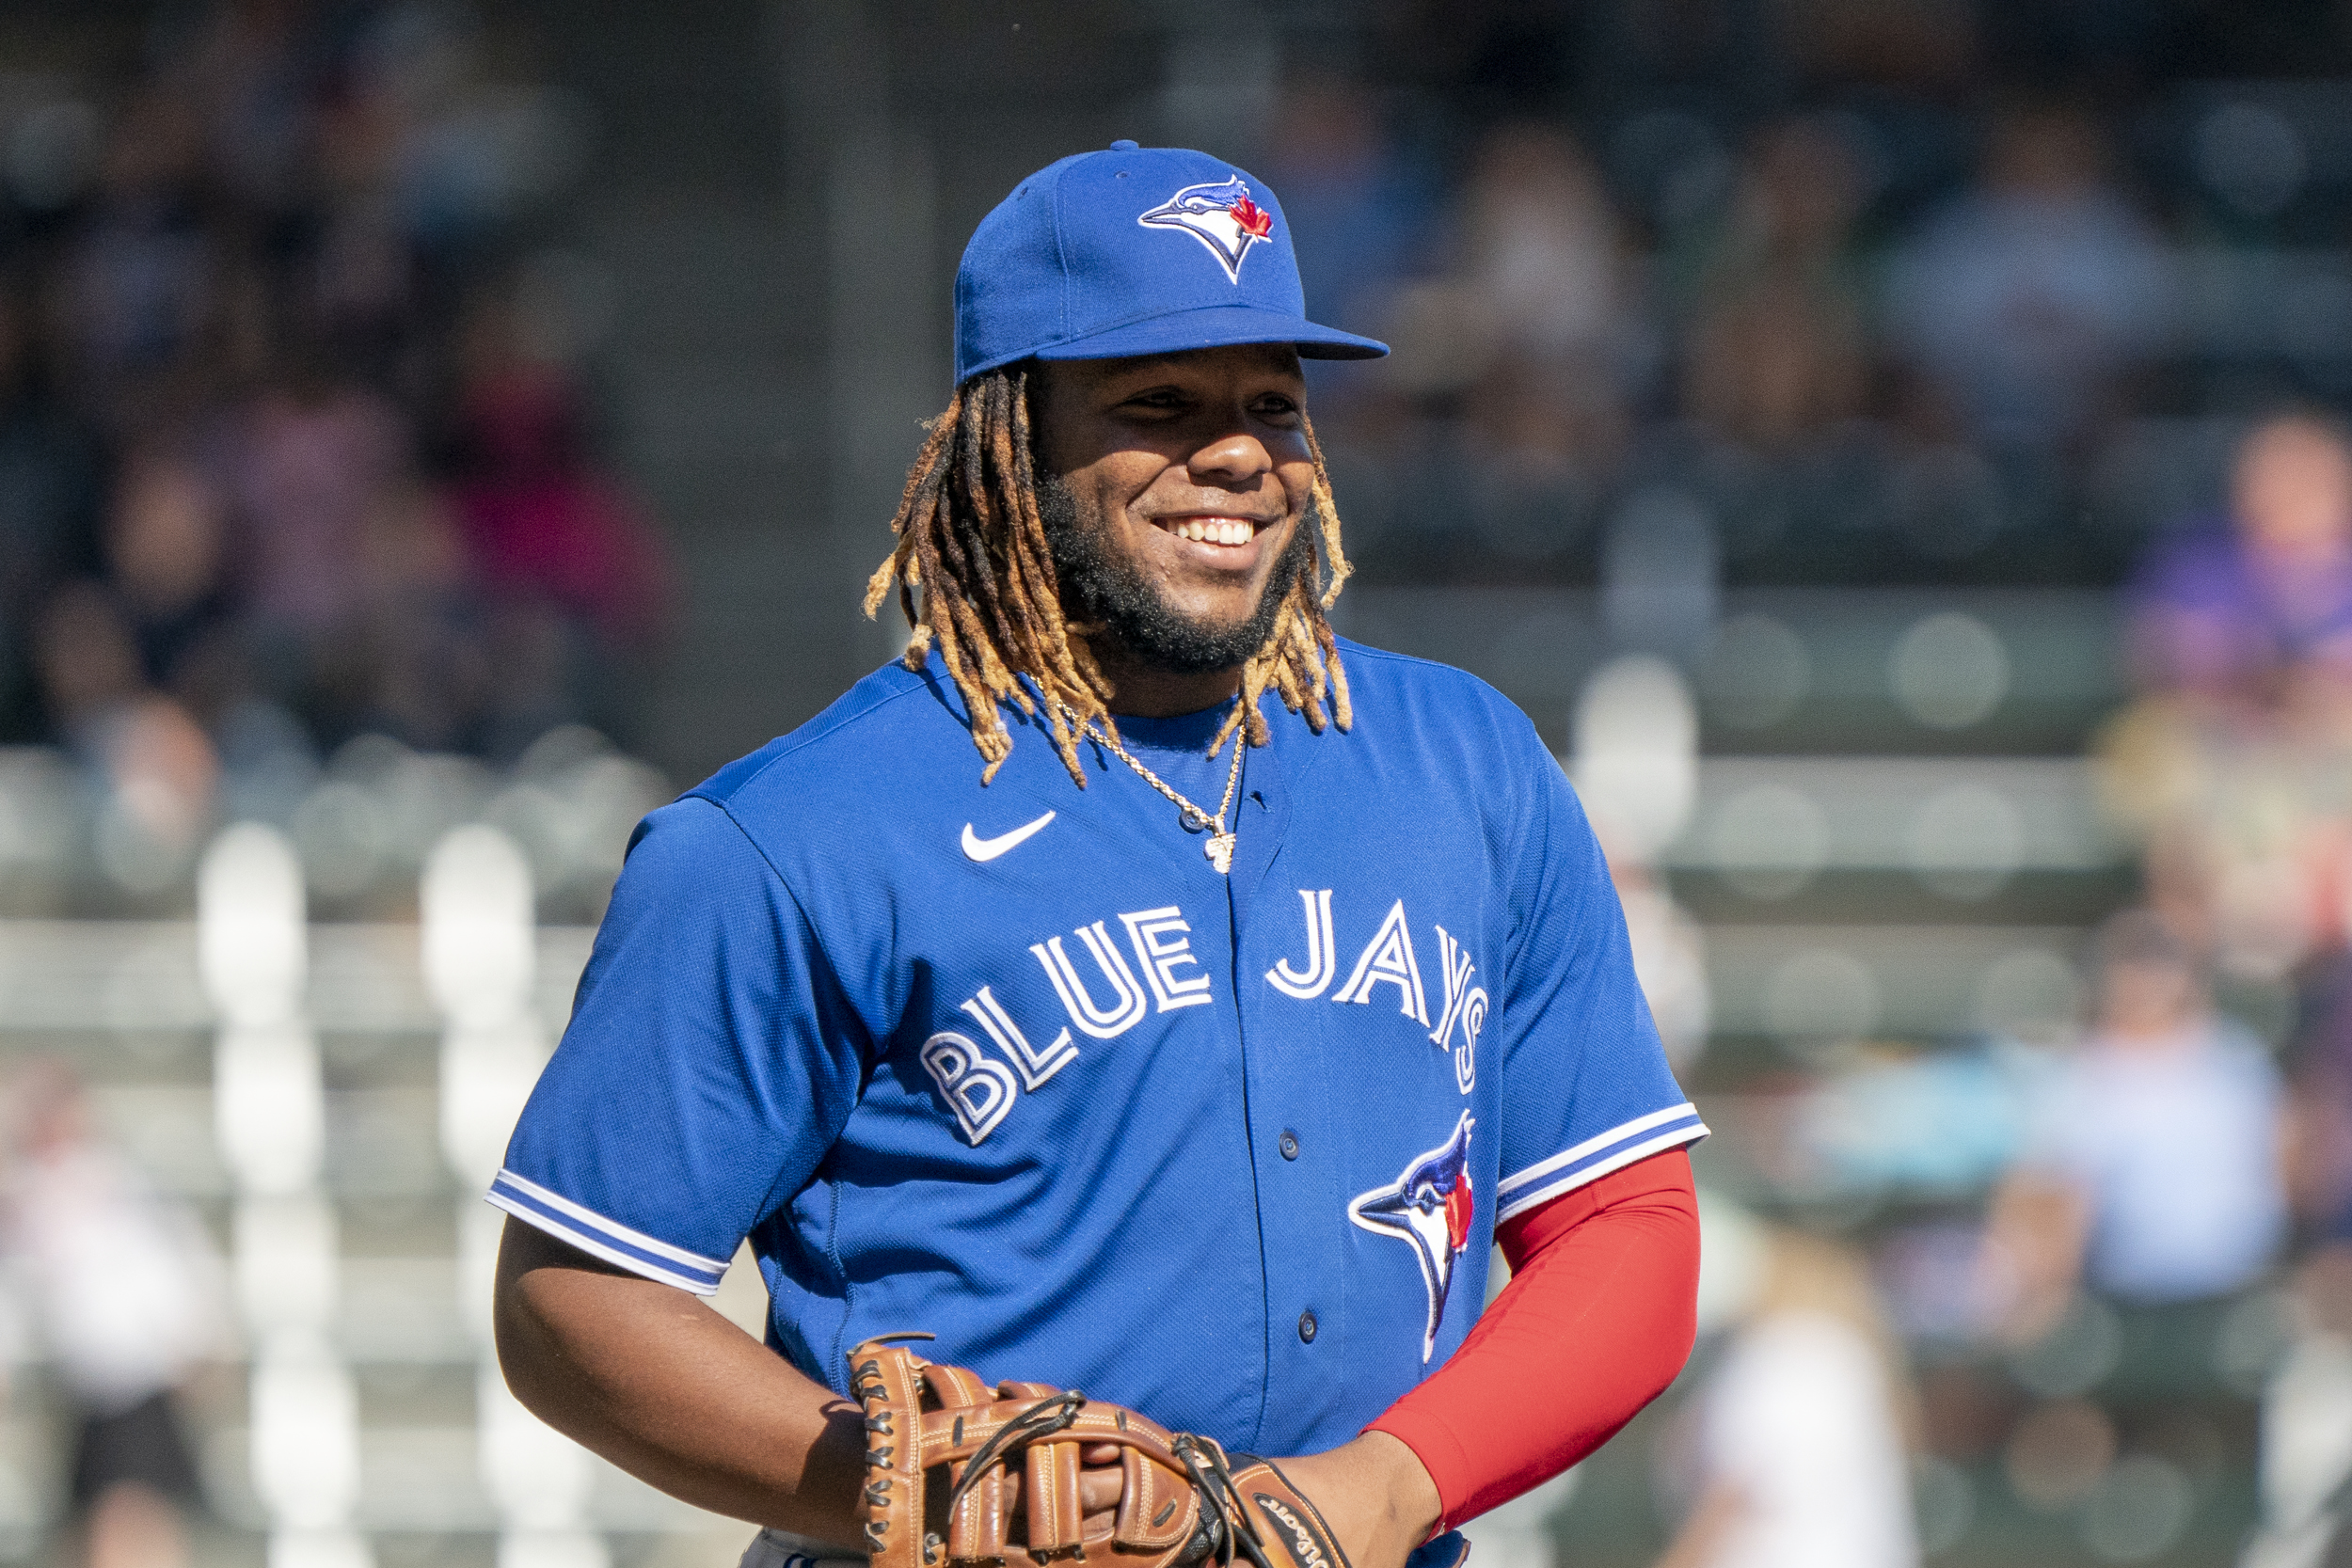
(1598, 1318)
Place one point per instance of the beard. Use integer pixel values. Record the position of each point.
(1107, 588)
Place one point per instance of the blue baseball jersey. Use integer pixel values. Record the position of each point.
(1016, 1064)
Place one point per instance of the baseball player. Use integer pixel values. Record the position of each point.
(1136, 987)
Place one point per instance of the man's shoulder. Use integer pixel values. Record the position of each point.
(1422, 699)
(892, 720)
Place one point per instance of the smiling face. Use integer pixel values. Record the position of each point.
(1173, 489)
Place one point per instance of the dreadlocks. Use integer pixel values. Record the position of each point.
(974, 547)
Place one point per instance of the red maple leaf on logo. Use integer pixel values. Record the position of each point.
(1254, 219)
(1458, 1210)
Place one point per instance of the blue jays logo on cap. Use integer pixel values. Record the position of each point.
(1220, 215)
(1076, 265)
(1429, 1207)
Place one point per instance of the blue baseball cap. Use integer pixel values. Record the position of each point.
(1136, 251)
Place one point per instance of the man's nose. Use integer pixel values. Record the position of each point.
(1236, 458)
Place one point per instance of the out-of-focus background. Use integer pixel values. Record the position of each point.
(1892, 448)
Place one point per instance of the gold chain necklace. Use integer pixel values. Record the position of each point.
(1219, 847)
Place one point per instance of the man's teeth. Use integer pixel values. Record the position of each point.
(1219, 531)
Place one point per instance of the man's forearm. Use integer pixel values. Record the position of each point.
(1597, 1319)
(659, 1382)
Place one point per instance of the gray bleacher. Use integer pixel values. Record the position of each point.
(362, 1420)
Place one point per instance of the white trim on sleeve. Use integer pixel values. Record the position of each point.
(1594, 1158)
(600, 1237)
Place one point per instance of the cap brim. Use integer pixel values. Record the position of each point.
(1214, 327)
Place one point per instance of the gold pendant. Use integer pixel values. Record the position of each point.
(1220, 852)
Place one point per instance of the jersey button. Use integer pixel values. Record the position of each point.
(1307, 1326)
(1289, 1145)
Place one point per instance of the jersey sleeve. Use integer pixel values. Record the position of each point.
(710, 1062)
(1586, 1090)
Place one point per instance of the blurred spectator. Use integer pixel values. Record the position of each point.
(48, 501)
(1802, 1430)
(252, 66)
(1542, 252)
(150, 771)
(2230, 614)
(2305, 1468)
(167, 543)
(2318, 1128)
(1516, 358)
(1920, 1123)
(127, 1294)
(359, 287)
(2306, 1452)
(576, 577)
(166, 546)
(2026, 299)
(1362, 220)
(417, 670)
(2231, 764)
(139, 276)
(252, 303)
(314, 457)
(1544, 431)
(1537, 277)
(2153, 1174)
(1777, 354)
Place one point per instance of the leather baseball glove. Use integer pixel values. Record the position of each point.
(943, 1490)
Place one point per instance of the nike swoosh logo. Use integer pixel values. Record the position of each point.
(986, 849)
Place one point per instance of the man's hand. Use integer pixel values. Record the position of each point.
(1025, 1473)
(1374, 1493)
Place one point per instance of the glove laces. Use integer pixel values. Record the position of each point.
(1041, 1419)
(1220, 1497)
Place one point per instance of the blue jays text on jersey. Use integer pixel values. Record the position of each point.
(1016, 1065)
